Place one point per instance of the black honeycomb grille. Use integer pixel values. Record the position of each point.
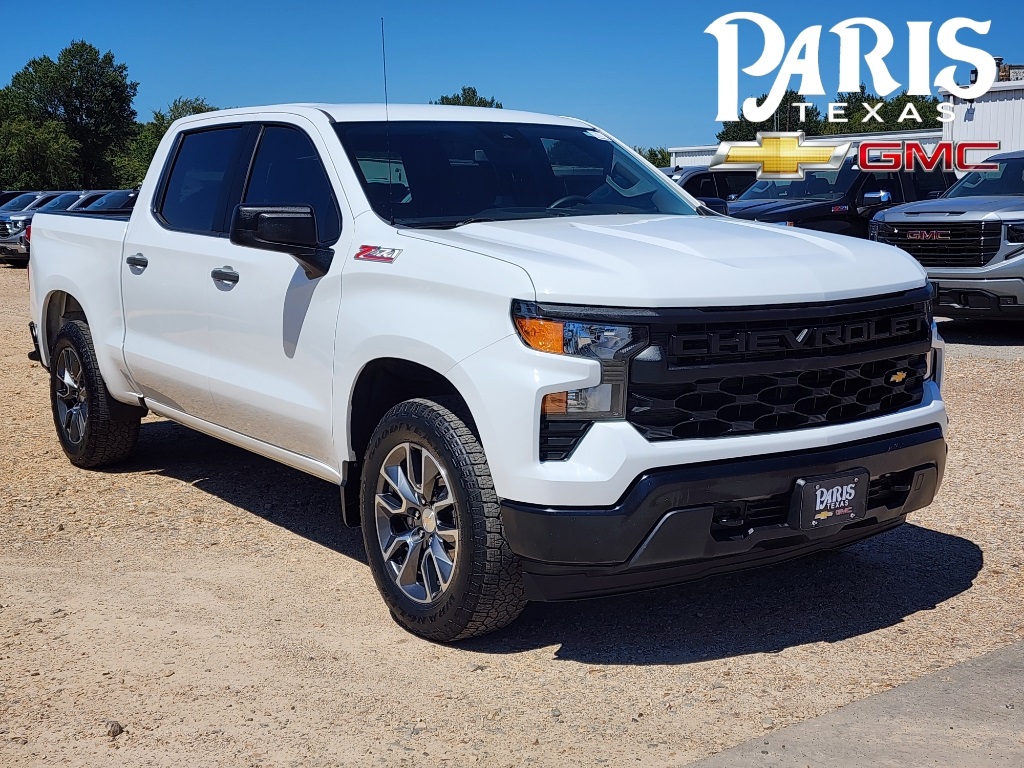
(776, 402)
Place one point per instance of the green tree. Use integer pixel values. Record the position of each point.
(88, 94)
(468, 97)
(37, 156)
(785, 118)
(659, 157)
(131, 167)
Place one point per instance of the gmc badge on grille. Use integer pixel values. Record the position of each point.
(928, 234)
(787, 339)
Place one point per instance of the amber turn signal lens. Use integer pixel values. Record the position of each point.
(542, 335)
(556, 402)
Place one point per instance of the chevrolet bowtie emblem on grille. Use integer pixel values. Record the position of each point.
(898, 378)
(781, 155)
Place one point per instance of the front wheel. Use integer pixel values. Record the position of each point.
(432, 528)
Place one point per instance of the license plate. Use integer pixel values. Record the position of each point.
(819, 502)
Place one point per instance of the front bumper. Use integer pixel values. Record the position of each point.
(668, 528)
(967, 298)
(14, 247)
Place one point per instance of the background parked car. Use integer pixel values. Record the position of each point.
(840, 201)
(700, 181)
(122, 200)
(14, 245)
(9, 194)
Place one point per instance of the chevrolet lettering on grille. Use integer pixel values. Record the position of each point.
(823, 337)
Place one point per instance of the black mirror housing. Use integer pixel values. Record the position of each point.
(287, 229)
(716, 204)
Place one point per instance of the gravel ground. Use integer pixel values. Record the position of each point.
(211, 604)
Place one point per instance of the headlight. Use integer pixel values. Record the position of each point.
(1015, 232)
(873, 230)
(16, 225)
(611, 345)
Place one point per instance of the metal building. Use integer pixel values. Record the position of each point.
(996, 116)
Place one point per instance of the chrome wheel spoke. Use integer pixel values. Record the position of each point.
(443, 565)
(71, 396)
(449, 536)
(399, 481)
(396, 543)
(407, 573)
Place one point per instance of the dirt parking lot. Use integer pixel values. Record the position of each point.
(213, 605)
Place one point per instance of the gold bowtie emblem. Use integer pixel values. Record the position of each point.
(781, 155)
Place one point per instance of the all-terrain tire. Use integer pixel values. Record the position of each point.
(486, 591)
(108, 431)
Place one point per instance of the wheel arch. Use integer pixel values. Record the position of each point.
(58, 308)
(380, 385)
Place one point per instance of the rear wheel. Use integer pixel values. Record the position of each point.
(432, 528)
(94, 429)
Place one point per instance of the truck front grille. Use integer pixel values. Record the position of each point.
(791, 368)
(5, 229)
(937, 244)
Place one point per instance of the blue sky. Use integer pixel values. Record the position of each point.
(643, 70)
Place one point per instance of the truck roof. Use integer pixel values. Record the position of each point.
(345, 113)
(1015, 155)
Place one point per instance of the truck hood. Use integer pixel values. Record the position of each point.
(972, 208)
(774, 210)
(664, 261)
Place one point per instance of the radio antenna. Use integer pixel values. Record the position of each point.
(387, 124)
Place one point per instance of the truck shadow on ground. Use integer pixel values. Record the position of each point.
(822, 598)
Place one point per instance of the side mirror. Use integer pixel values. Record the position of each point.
(875, 199)
(732, 197)
(716, 204)
(934, 194)
(287, 229)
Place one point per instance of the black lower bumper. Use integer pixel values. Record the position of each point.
(969, 303)
(683, 523)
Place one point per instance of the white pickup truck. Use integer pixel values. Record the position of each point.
(535, 367)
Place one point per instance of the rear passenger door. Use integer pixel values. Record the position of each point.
(272, 329)
(165, 272)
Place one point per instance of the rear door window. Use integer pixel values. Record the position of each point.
(734, 182)
(701, 185)
(288, 171)
(924, 183)
(198, 184)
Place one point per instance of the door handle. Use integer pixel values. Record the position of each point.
(225, 275)
(138, 261)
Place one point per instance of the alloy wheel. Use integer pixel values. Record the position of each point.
(72, 396)
(417, 526)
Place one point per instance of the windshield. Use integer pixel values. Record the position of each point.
(113, 200)
(18, 203)
(1007, 179)
(816, 185)
(61, 202)
(443, 174)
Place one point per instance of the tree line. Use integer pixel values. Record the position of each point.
(70, 123)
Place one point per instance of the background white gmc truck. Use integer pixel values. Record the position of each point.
(535, 367)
